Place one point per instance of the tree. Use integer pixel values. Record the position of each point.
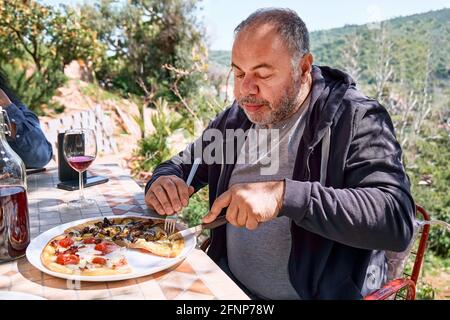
(142, 36)
(36, 42)
(384, 70)
(351, 55)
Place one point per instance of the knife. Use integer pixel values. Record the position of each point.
(193, 230)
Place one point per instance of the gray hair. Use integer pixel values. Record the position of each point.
(289, 26)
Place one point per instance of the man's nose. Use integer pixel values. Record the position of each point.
(249, 86)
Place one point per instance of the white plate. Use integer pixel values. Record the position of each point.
(14, 295)
(142, 263)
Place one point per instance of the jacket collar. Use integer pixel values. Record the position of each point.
(328, 91)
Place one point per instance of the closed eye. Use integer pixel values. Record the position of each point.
(264, 77)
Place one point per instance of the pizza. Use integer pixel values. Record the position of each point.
(98, 247)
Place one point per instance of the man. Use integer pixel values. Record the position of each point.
(317, 227)
(27, 138)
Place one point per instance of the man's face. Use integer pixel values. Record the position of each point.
(264, 82)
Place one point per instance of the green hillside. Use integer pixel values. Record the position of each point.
(410, 42)
(220, 57)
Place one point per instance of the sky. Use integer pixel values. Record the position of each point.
(220, 17)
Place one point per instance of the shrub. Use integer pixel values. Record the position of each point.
(197, 209)
(155, 148)
(430, 180)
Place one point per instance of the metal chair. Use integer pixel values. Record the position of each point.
(408, 282)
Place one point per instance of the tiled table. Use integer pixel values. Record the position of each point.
(197, 277)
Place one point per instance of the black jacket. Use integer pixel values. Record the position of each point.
(364, 206)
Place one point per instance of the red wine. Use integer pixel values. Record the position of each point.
(14, 222)
(80, 163)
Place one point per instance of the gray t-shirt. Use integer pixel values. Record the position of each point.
(259, 258)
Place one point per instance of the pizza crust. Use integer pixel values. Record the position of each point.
(160, 248)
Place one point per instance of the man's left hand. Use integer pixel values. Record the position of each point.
(249, 203)
(4, 99)
(5, 102)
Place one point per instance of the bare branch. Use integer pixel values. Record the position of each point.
(31, 52)
(174, 87)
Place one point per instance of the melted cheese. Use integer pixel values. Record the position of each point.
(114, 258)
(88, 252)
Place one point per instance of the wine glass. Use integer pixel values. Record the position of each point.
(80, 150)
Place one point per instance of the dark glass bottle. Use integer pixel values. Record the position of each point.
(14, 218)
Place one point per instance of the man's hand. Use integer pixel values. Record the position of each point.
(249, 204)
(4, 99)
(168, 195)
(4, 102)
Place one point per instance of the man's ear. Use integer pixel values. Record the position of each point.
(305, 66)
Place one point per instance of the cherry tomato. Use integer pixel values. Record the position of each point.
(90, 240)
(99, 260)
(67, 259)
(105, 247)
(100, 247)
(66, 242)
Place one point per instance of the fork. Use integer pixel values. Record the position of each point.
(196, 229)
(171, 222)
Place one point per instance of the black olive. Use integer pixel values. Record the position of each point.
(106, 222)
(150, 235)
(140, 226)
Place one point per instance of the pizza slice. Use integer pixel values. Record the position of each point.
(155, 240)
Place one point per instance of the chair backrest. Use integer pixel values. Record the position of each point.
(398, 279)
(397, 261)
(420, 253)
(93, 119)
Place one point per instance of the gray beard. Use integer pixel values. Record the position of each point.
(289, 102)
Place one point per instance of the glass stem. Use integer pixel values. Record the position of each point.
(81, 187)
